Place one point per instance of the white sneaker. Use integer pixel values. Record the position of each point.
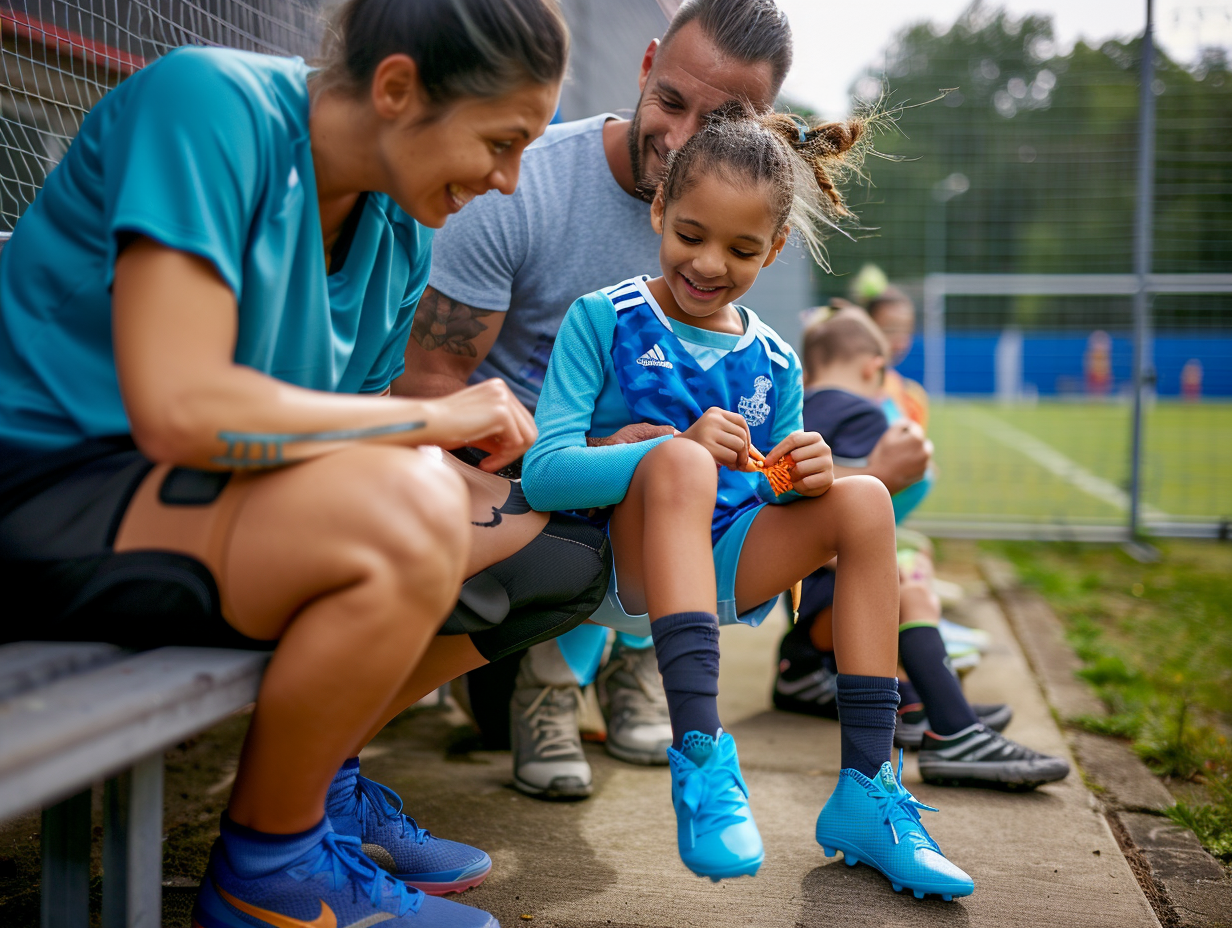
(631, 692)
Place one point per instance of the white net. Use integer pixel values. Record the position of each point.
(60, 56)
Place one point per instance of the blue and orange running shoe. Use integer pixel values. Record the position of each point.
(715, 831)
(878, 822)
(412, 854)
(331, 886)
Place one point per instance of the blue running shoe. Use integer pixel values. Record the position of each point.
(715, 831)
(412, 854)
(878, 822)
(331, 886)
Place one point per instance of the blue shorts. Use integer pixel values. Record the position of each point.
(726, 559)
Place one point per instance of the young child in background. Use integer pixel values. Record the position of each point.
(845, 356)
(694, 540)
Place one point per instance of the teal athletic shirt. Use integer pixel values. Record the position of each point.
(206, 151)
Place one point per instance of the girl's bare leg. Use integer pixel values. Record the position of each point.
(854, 520)
(352, 560)
(661, 532)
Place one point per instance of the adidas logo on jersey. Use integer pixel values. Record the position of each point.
(654, 358)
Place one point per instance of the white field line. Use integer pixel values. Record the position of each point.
(1055, 462)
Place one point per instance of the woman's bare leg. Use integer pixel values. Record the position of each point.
(661, 532)
(854, 520)
(352, 560)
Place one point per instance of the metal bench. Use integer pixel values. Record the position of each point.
(72, 714)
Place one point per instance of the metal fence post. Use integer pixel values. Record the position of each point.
(1143, 247)
(934, 336)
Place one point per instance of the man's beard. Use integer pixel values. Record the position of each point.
(644, 187)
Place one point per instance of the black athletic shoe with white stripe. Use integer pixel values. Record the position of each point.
(912, 721)
(979, 756)
(812, 690)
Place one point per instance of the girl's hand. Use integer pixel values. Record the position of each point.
(814, 470)
(724, 434)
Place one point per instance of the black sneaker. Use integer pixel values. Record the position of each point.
(979, 756)
(807, 680)
(913, 721)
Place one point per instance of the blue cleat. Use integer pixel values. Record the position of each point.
(715, 831)
(878, 822)
(412, 854)
(333, 885)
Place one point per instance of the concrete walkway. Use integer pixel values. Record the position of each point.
(1041, 859)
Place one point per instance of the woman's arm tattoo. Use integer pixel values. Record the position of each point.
(255, 450)
(441, 322)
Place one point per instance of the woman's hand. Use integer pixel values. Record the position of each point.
(814, 470)
(486, 416)
(725, 435)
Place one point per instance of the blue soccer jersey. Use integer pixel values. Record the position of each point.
(206, 151)
(619, 360)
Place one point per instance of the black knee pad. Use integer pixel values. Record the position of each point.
(548, 588)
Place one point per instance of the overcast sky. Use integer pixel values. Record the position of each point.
(836, 39)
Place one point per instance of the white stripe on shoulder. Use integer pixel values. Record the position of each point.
(625, 294)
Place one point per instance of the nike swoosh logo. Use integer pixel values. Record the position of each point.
(326, 919)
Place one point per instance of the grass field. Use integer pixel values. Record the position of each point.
(1068, 462)
(1156, 645)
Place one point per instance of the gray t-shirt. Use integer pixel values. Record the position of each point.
(568, 230)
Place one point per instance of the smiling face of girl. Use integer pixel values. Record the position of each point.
(717, 235)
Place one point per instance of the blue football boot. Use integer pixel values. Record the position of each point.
(878, 822)
(333, 885)
(373, 814)
(715, 831)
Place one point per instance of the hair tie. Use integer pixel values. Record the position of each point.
(801, 127)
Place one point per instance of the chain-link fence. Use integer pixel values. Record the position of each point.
(1013, 223)
(60, 56)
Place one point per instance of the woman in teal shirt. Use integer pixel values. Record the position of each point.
(217, 282)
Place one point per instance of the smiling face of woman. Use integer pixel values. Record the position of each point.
(435, 162)
(717, 236)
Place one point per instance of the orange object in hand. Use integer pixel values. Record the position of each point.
(778, 474)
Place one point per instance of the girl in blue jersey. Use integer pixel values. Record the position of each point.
(699, 537)
(217, 281)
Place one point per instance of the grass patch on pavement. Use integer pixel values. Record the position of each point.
(1156, 644)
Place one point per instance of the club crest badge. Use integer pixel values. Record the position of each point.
(754, 408)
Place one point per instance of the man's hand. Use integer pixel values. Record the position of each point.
(900, 458)
(631, 434)
(724, 434)
(814, 470)
(486, 416)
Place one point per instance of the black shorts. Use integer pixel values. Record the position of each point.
(62, 580)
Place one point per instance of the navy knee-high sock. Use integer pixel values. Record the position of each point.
(867, 708)
(687, 647)
(922, 653)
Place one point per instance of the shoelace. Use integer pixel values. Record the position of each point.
(709, 789)
(554, 734)
(643, 668)
(341, 857)
(901, 805)
(388, 805)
